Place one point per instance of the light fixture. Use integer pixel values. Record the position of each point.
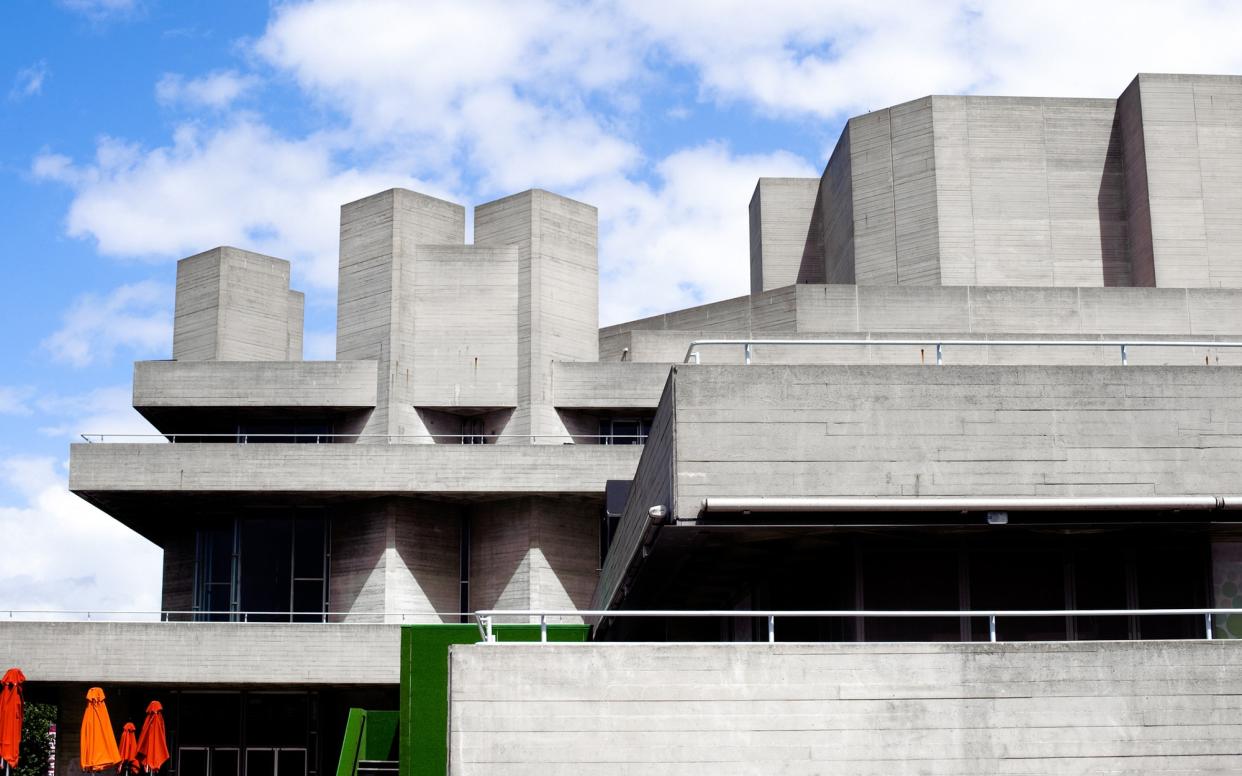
(998, 518)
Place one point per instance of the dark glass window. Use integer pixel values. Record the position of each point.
(270, 569)
(1016, 579)
(624, 431)
(910, 579)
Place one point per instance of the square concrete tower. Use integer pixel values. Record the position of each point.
(235, 305)
(558, 294)
(439, 316)
(786, 240)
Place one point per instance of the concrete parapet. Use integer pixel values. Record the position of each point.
(802, 709)
(169, 653)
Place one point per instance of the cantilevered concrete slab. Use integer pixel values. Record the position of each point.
(172, 653)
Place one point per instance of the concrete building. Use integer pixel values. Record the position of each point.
(989, 361)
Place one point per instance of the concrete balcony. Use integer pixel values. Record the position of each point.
(122, 477)
(180, 396)
(608, 384)
(204, 653)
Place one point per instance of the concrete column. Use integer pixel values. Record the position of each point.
(234, 305)
(379, 239)
(534, 553)
(396, 555)
(558, 294)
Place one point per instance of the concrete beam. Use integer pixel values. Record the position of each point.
(204, 653)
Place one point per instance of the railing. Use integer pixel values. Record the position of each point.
(216, 617)
(692, 352)
(464, 439)
(486, 617)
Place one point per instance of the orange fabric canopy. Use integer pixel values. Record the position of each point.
(11, 715)
(128, 749)
(98, 742)
(152, 744)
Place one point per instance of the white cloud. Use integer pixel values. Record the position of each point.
(14, 400)
(136, 318)
(215, 90)
(241, 185)
(29, 81)
(682, 241)
(70, 553)
(107, 411)
(829, 58)
(498, 86)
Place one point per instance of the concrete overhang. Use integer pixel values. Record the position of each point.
(608, 384)
(182, 396)
(204, 653)
(146, 485)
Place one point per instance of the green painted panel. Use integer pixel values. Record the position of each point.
(424, 686)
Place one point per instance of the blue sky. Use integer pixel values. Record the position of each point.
(137, 132)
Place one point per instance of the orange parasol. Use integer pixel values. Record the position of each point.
(11, 716)
(152, 744)
(98, 743)
(128, 750)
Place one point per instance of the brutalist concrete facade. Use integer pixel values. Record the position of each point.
(454, 457)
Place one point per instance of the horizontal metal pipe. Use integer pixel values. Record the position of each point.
(964, 504)
(904, 613)
(969, 342)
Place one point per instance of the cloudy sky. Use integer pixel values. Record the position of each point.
(137, 132)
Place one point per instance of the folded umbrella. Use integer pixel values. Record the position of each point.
(99, 750)
(128, 750)
(11, 716)
(152, 743)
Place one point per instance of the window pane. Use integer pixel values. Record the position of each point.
(210, 719)
(265, 566)
(308, 548)
(224, 762)
(260, 762)
(292, 762)
(1003, 579)
(192, 762)
(308, 597)
(911, 579)
(276, 719)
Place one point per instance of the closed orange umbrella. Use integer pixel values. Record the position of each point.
(152, 744)
(11, 716)
(128, 750)
(99, 750)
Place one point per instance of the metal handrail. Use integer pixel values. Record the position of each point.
(242, 438)
(485, 617)
(747, 344)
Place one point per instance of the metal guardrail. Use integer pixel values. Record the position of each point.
(241, 439)
(206, 617)
(485, 617)
(1123, 345)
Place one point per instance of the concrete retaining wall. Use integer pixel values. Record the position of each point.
(875, 709)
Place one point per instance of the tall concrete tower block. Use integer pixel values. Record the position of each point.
(1183, 179)
(439, 316)
(786, 240)
(234, 305)
(558, 293)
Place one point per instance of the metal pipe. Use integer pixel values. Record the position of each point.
(964, 503)
(692, 349)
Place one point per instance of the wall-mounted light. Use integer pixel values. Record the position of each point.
(658, 512)
(998, 518)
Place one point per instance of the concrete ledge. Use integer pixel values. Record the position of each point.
(203, 653)
(97, 470)
(339, 384)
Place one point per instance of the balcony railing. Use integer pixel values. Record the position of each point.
(486, 618)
